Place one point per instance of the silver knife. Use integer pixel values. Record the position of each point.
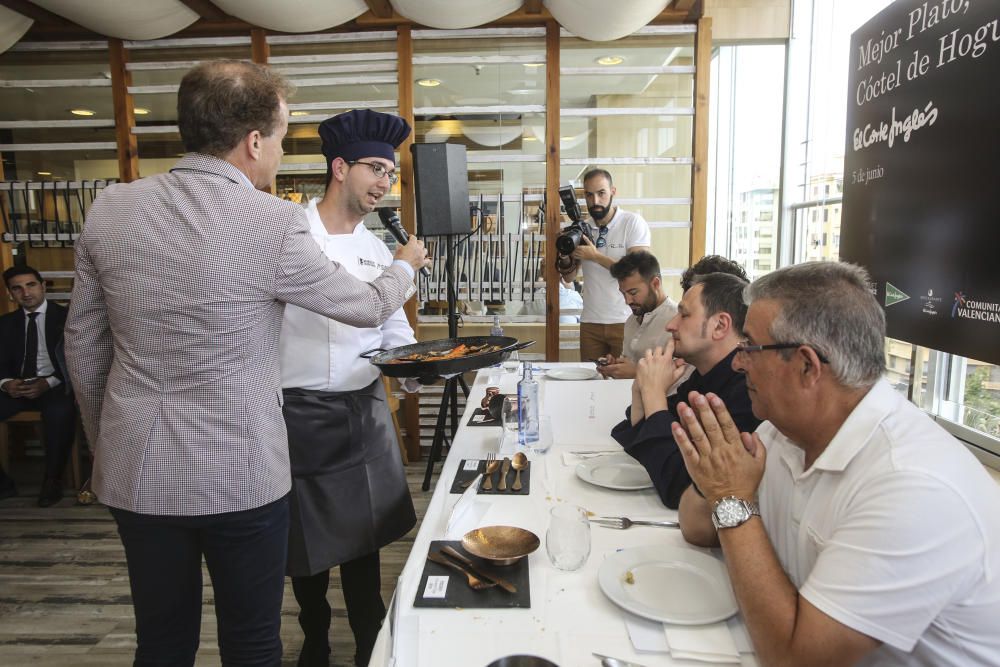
(504, 469)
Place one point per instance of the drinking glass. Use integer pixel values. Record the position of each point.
(567, 540)
(512, 363)
(509, 415)
(544, 441)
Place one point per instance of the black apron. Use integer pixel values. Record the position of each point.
(349, 492)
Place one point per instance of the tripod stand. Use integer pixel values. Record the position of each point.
(449, 397)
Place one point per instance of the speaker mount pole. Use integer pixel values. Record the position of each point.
(449, 397)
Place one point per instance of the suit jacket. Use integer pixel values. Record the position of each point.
(12, 342)
(172, 337)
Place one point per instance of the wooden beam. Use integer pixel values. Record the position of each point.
(699, 171)
(259, 49)
(532, 6)
(683, 5)
(552, 215)
(380, 8)
(408, 213)
(121, 79)
(206, 10)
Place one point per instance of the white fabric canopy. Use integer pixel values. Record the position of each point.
(596, 20)
(294, 15)
(12, 27)
(149, 19)
(155, 19)
(452, 14)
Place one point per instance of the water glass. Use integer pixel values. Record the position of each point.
(512, 363)
(544, 441)
(567, 540)
(509, 414)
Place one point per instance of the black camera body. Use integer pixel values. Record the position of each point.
(571, 236)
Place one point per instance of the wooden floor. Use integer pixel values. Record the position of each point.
(64, 594)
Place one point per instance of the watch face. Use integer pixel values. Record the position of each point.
(731, 512)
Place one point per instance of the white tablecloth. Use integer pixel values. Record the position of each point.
(569, 616)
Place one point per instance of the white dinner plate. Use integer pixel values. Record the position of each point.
(574, 373)
(668, 584)
(618, 471)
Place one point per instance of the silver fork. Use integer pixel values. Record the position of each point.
(621, 522)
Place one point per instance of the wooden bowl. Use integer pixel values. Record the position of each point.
(500, 545)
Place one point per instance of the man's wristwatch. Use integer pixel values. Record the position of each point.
(731, 511)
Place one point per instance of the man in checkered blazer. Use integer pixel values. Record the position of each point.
(172, 345)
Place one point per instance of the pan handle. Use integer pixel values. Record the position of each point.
(521, 346)
(371, 353)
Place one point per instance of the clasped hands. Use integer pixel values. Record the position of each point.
(655, 373)
(720, 459)
(26, 388)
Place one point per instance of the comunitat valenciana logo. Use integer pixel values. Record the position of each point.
(971, 309)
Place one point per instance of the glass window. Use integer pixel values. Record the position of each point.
(627, 107)
(745, 155)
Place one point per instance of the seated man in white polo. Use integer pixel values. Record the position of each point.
(877, 538)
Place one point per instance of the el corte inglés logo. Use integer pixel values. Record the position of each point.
(894, 295)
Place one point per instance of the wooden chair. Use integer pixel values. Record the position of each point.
(34, 417)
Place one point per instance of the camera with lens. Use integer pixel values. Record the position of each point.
(571, 236)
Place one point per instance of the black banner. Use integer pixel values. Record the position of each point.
(921, 205)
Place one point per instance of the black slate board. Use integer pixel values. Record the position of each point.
(464, 475)
(458, 595)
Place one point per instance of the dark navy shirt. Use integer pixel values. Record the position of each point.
(651, 442)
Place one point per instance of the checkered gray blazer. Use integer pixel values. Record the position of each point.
(172, 336)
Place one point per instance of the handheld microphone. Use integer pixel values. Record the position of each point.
(391, 222)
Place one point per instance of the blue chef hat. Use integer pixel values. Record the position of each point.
(362, 133)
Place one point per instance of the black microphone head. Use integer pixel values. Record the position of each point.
(386, 215)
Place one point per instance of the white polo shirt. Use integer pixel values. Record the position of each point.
(602, 302)
(894, 531)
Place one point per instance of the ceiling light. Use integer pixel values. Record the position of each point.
(534, 64)
(299, 113)
(610, 60)
(82, 112)
(524, 91)
(140, 111)
(567, 138)
(428, 83)
(529, 138)
(45, 173)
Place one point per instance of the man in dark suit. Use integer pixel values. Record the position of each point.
(32, 376)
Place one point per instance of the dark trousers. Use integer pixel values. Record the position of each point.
(362, 582)
(58, 424)
(245, 555)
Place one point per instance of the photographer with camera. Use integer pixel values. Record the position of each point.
(594, 247)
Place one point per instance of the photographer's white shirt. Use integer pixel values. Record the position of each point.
(602, 302)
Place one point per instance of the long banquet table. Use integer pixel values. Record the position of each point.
(570, 617)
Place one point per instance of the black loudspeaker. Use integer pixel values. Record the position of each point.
(441, 180)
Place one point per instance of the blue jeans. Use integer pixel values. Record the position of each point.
(245, 554)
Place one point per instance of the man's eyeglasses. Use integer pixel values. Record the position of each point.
(602, 237)
(379, 171)
(746, 348)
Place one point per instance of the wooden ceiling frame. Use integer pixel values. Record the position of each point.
(380, 15)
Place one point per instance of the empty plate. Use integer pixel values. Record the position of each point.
(668, 584)
(618, 471)
(573, 373)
